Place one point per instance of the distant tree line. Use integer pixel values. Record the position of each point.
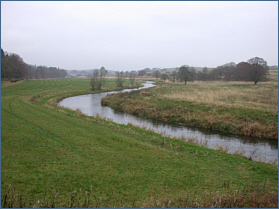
(13, 67)
(255, 69)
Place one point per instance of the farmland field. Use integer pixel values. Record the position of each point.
(54, 157)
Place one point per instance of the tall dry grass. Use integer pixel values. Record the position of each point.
(263, 96)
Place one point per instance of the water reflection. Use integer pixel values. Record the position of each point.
(91, 105)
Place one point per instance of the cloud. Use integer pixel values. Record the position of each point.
(133, 35)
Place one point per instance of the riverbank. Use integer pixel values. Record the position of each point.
(230, 107)
(55, 155)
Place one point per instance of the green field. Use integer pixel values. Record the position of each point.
(48, 153)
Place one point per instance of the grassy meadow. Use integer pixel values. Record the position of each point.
(231, 107)
(54, 157)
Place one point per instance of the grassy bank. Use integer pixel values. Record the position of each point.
(231, 107)
(48, 153)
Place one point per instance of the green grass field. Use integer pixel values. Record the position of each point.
(47, 153)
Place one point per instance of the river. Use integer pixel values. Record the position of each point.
(90, 104)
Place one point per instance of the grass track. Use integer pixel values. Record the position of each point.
(44, 147)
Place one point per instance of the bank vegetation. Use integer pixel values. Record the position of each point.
(230, 107)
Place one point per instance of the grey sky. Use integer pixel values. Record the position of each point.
(133, 35)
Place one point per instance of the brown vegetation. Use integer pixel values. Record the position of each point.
(233, 107)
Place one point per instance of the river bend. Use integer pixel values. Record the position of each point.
(90, 105)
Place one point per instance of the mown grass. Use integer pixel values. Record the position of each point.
(231, 107)
(47, 153)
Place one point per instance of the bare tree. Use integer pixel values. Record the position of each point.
(120, 78)
(94, 79)
(102, 75)
(132, 77)
(173, 76)
(98, 78)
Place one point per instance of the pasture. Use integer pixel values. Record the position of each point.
(54, 157)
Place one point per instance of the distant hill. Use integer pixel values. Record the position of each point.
(176, 68)
(88, 72)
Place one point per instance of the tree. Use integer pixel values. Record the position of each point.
(120, 78)
(173, 76)
(164, 76)
(132, 77)
(103, 73)
(226, 70)
(42, 71)
(94, 79)
(192, 74)
(142, 73)
(214, 74)
(4, 65)
(98, 78)
(205, 70)
(156, 74)
(184, 74)
(258, 70)
(12, 66)
(241, 72)
(147, 70)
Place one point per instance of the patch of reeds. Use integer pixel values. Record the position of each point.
(239, 152)
(79, 112)
(222, 149)
(98, 116)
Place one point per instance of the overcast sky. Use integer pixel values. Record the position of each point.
(134, 35)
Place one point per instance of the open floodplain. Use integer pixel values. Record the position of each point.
(54, 157)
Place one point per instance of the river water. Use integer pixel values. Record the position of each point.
(259, 149)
